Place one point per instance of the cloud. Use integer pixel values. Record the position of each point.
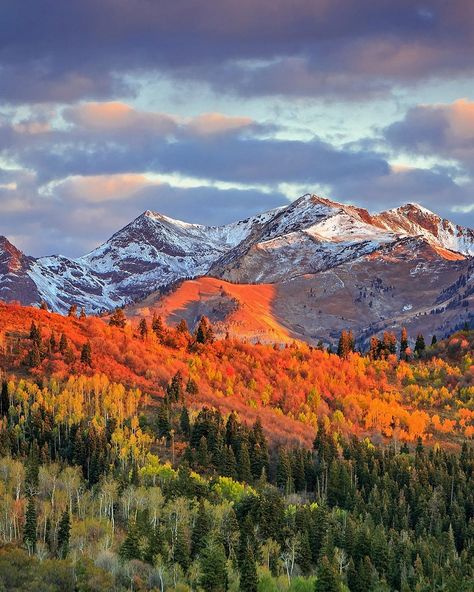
(444, 130)
(78, 213)
(85, 48)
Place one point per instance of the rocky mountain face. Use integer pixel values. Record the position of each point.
(377, 258)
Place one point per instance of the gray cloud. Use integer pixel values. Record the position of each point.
(61, 51)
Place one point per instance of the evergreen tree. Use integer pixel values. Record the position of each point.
(213, 568)
(204, 333)
(4, 399)
(130, 548)
(63, 344)
(86, 354)
(34, 356)
(182, 327)
(304, 553)
(158, 327)
(327, 577)
(143, 329)
(184, 423)
(118, 319)
(174, 390)
(72, 312)
(192, 387)
(30, 528)
(63, 535)
(82, 314)
(248, 572)
(403, 343)
(244, 470)
(201, 529)
(434, 340)
(419, 345)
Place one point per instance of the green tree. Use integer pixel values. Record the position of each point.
(327, 577)
(213, 568)
(64, 534)
(30, 528)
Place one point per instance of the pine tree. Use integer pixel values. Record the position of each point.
(213, 568)
(72, 311)
(244, 470)
(403, 343)
(34, 356)
(174, 390)
(182, 327)
(63, 535)
(248, 572)
(63, 344)
(201, 529)
(82, 314)
(204, 333)
(4, 399)
(86, 354)
(327, 578)
(130, 548)
(118, 319)
(284, 476)
(30, 528)
(154, 546)
(143, 329)
(434, 340)
(192, 387)
(157, 327)
(304, 553)
(419, 344)
(184, 423)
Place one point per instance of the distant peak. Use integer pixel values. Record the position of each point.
(414, 207)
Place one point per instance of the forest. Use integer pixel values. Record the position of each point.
(138, 457)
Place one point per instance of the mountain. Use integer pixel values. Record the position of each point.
(321, 265)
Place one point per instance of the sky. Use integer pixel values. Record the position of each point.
(213, 111)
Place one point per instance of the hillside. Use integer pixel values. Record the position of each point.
(288, 387)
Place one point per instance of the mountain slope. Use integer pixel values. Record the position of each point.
(310, 236)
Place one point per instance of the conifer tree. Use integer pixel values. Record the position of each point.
(201, 529)
(130, 548)
(86, 354)
(244, 470)
(63, 344)
(213, 568)
(157, 327)
(403, 343)
(30, 528)
(434, 340)
(327, 578)
(82, 314)
(174, 390)
(204, 333)
(63, 535)
(4, 399)
(118, 319)
(184, 423)
(419, 344)
(72, 312)
(143, 328)
(182, 327)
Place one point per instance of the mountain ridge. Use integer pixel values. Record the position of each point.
(309, 236)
